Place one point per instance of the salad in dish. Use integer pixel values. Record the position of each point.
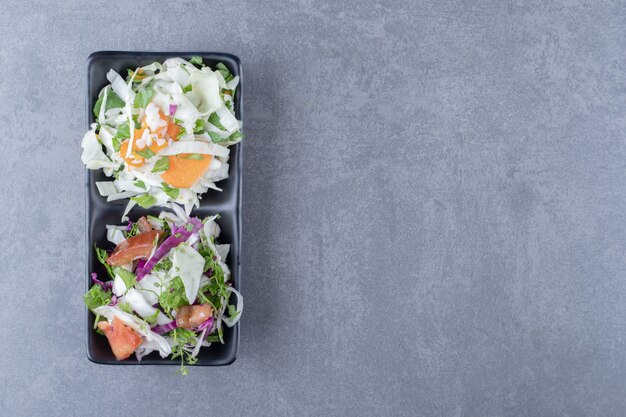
(162, 133)
(167, 288)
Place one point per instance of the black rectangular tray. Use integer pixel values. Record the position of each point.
(100, 213)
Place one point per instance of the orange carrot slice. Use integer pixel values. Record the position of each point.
(185, 171)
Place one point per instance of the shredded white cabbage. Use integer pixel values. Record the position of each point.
(115, 235)
(177, 148)
(194, 104)
(142, 306)
(189, 264)
(119, 287)
(106, 188)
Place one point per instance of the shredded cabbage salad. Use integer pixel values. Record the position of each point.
(167, 288)
(163, 132)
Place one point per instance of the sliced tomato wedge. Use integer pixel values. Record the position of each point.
(136, 247)
(123, 339)
(189, 317)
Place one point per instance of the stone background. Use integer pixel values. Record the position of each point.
(434, 208)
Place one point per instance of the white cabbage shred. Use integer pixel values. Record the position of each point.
(196, 98)
(138, 306)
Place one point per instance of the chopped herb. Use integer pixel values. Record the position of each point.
(123, 131)
(125, 307)
(187, 88)
(223, 69)
(199, 127)
(116, 173)
(216, 138)
(182, 133)
(146, 153)
(189, 227)
(182, 338)
(144, 200)
(140, 184)
(102, 256)
(213, 338)
(162, 164)
(232, 312)
(128, 277)
(164, 264)
(197, 60)
(214, 119)
(96, 297)
(173, 297)
(116, 144)
(210, 262)
(113, 101)
(143, 97)
(152, 319)
(173, 193)
(134, 231)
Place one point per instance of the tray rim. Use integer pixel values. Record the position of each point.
(236, 264)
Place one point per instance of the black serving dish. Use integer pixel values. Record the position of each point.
(100, 213)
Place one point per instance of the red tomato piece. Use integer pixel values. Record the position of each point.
(123, 339)
(136, 247)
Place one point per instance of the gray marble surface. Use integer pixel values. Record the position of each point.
(434, 208)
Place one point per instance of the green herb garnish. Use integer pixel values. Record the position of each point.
(102, 256)
(223, 69)
(174, 296)
(164, 264)
(146, 153)
(143, 97)
(197, 60)
(113, 101)
(173, 193)
(181, 338)
(140, 184)
(96, 297)
(145, 200)
(214, 119)
(162, 164)
(128, 277)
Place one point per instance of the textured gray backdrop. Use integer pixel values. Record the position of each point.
(434, 208)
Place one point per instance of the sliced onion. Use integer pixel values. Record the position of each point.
(206, 325)
(169, 244)
(164, 328)
(106, 286)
